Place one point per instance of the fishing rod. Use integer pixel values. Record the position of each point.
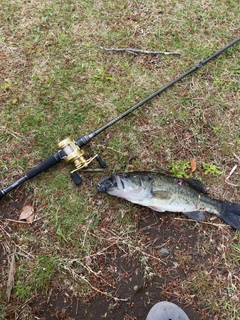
(71, 151)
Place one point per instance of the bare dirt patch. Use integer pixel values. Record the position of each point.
(176, 251)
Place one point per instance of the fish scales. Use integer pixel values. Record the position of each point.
(175, 195)
(161, 193)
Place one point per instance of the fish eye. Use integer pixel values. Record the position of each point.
(126, 175)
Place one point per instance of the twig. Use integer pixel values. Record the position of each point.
(85, 234)
(98, 253)
(17, 221)
(148, 227)
(138, 51)
(204, 222)
(16, 135)
(11, 274)
(93, 170)
(26, 255)
(236, 157)
(90, 270)
(231, 172)
(25, 303)
(5, 232)
(143, 252)
(25, 222)
(73, 273)
(49, 296)
(118, 240)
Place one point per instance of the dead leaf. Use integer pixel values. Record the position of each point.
(27, 214)
(11, 274)
(30, 218)
(193, 165)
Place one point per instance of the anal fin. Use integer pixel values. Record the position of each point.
(196, 215)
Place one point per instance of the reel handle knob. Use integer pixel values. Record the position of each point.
(101, 162)
(76, 178)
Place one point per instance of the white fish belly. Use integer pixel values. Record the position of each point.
(175, 205)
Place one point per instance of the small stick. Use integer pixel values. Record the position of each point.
(231, 172)
(236, 157)
(204, 222)
(25, 222)
(83, 278)
(17, 221)
(16, 135)
(136, 51)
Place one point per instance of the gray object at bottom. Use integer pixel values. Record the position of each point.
(166, 311)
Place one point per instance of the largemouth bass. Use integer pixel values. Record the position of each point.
(165, 193)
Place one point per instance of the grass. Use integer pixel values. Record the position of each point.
(55, 82)
(223, 284)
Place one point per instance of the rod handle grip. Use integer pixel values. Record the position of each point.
(1, 194)
(43, 166)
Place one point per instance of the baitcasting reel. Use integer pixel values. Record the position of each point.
(71, 152)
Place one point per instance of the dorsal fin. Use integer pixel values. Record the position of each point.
(196, 184)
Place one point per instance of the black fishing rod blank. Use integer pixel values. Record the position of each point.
(71, 151)
(85, 139)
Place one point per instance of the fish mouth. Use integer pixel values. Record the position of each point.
(107, 183)
(127, 186)
(112, 182)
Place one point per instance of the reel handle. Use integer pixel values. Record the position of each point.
(76, 177)
(100, 161)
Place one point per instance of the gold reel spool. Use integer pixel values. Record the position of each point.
(73, 153)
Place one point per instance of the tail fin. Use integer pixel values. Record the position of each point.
(230, 213)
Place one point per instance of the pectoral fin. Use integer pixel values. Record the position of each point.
(196, 215)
